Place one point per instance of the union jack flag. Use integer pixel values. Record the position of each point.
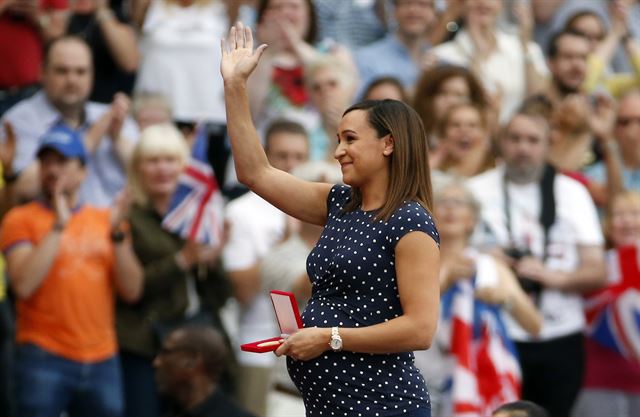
(613, 313)
(196, 210)
(486, 372)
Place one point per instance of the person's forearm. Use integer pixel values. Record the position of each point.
(246, 283)
(535, 82)
(632, 47)
(138, 12)
(120, 40)
(248, 154)
(402, 334)
(128, 273)
(589, 276)
(27, 277)
(96, 132)
(613, 165)
(524, 312)
(124, 149)
(7, 199)
(306, 53)
(233, 10)
(51, 24)
(608, 46)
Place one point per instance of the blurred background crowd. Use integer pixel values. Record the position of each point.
(532, 111)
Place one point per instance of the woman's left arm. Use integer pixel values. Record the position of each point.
(417, 267)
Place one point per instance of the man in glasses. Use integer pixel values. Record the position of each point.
(625, 144)
(188, 370)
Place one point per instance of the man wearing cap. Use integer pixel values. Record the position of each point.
(65, 263)
(67, 77)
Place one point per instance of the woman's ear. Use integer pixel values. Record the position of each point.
(388, 145)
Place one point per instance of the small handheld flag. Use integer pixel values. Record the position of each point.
(196, 210)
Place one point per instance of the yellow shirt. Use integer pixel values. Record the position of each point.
(615, 84)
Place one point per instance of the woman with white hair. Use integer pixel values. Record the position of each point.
(332, 85)
(182, 281)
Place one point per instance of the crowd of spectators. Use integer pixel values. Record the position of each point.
(532, 112)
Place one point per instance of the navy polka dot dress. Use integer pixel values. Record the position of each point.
(354, 285)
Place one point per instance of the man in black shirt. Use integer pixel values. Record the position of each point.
(188, 369)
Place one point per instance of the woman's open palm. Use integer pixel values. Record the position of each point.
(238, 58)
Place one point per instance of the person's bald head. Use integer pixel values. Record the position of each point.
(627, 130)
(190, 356)
(67, 72)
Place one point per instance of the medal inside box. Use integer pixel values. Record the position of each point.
(286, 310)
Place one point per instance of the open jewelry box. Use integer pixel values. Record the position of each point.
(286, 309)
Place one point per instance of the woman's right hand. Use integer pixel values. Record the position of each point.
(238, 58)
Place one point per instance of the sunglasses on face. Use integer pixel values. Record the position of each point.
(165, 351)
(626, 121)
(597, 37)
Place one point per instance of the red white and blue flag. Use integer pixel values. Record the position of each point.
(613, 313)
(486, 371)
(196, 210)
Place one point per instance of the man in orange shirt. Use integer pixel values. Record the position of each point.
(65, 262)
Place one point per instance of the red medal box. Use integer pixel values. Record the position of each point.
(286, 309)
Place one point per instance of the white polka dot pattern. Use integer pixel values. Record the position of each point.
(354, 284)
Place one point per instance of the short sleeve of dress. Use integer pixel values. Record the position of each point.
(338, 196)
(411, 217)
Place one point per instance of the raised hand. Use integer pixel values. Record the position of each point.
(524, 15)
(118, 111)
(619, 12)
(60, 202)
(238, 57)
(572, 115)
(603, 118)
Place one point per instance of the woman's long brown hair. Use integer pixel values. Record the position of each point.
(409, 173)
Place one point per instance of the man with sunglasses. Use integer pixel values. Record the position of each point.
(188, 370)
(625, 144)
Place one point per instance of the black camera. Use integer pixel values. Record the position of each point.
(528, 285)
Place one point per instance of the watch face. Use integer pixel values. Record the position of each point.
(336, 344)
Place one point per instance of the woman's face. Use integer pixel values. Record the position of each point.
(483, 12)
(454, 213)
(464, 133)
(295, 12)
(159, 174)
(385, 91)
(329, 89)
(625, 221)
(453, 90)
(361, 154)
(591, 27)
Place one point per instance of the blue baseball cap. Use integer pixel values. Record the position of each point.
(65, 141)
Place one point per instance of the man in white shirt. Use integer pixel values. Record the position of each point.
(67, 77)
(255, 227)
(548, 224)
